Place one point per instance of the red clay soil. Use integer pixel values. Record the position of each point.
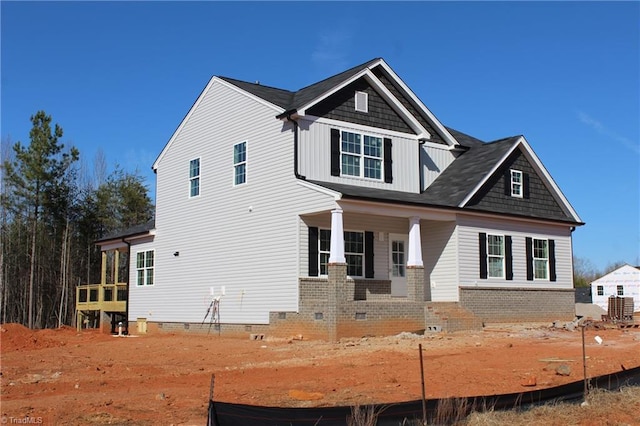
(64, 377)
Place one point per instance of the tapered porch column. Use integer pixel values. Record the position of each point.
(337, 279)
(336, 255)
(415, 265)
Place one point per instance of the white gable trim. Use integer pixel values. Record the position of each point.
(448, 137)
(321, 189)
(537, 165)
(195, 105)
(382, 90)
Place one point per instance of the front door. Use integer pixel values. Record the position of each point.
(398, 264)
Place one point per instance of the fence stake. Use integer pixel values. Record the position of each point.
(424, 398)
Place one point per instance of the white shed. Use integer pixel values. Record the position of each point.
(623, 282)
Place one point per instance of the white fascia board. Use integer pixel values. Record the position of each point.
(380, 208)
(384, 92)
(448, 137)
(533, 158)
(321, 189)
(195, 105)
(537, 164)
(501, 217)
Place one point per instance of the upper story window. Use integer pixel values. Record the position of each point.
(362, 101)
(495, 256)
(145, 267)
(240, 163)
(600, 290)
(620, 290)
(540, 259)
(516, 183)
(361, 155)
(194, 177)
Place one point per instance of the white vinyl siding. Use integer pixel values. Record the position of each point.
(470, 226)
(315, 156)
(252, 232)
(440, 252)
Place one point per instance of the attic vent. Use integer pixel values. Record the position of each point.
(362, 102)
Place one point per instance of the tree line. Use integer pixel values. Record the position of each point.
(53, 207)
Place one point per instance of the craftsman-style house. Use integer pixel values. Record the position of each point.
(344, 209)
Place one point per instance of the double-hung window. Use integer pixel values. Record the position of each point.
(600, 290)
(145, 267)
(240, 163)
(194, 177)
(361, 155)
(620, 290)
(353, 252)
(495, 256)
(540, 259)
(516, 183)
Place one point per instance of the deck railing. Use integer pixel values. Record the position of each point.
(102, 297)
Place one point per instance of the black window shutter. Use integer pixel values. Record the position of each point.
(552, 260)
(388, 161)
(508, 257)
(482, 245)
(529, 254)
(313, 252)
(525, 185)
(368, 255)
(335, 152)
(507, 182)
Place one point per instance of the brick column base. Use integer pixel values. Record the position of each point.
(337, 289)
(415, 283)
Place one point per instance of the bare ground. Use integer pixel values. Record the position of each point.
(64, 377)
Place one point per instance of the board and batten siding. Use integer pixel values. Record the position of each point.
(468, 229)
(315, 157)
(440, 254)
(241, 237)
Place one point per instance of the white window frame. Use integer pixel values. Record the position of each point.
(238, 165)
(361, 100)
(517, 183)
(360, 156)
(538, 259)
(324, 251)
(194, 178)
(500, 256)
(147, 270)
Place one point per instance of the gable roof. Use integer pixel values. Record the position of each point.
(464, 177)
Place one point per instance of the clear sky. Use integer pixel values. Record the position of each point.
(120, 76)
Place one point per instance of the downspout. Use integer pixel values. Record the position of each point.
(126, 311)
(295, 148)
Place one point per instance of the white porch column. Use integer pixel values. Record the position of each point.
(336, 255)
(414, 257)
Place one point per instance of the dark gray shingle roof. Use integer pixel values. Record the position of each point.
(130, 232)
(290, 101)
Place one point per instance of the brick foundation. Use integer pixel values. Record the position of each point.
(493, 304)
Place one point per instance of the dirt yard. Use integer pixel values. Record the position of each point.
(64, 377)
